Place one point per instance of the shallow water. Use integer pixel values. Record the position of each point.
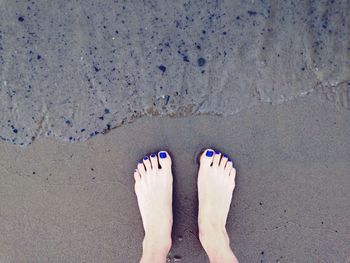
(73, 70)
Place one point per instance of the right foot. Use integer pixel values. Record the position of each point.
(216, 182)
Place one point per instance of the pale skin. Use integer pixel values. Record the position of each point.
(154, 186)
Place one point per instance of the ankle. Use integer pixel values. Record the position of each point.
(213, 236)
(216, 243)
(155, 249)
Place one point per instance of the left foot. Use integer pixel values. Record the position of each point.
(153, 187)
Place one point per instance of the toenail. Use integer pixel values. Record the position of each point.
(153, 155)
(225, 156)
(209, 153)
(217, 152)
(139, 161)
(162, 155)
(145, 158)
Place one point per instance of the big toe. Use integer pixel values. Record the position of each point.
(207, 158)
(164, 160)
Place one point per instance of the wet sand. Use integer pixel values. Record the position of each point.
(75, 69)
(63, 202)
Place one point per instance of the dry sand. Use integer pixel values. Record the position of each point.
(63, 202)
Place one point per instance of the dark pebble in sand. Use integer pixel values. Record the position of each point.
(167, 98)
(201, 62)
(177, 258)
(162, 68)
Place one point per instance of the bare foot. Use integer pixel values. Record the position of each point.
(153, 187)
(216, 182)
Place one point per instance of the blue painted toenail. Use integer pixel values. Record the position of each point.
(209, 153)
(153, 155)
(217, 152)
(162, 155)
(139, 161)
(225, 156)
(145, 158)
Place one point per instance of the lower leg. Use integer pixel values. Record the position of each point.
(216, 182)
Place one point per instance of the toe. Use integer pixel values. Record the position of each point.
(164, 160)
(228, 168)
(217, 157)
(147, 163)
(141, 168)
(233, 174)
(207, 157)
(137, 175)
(223, 160)
(154, 161)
